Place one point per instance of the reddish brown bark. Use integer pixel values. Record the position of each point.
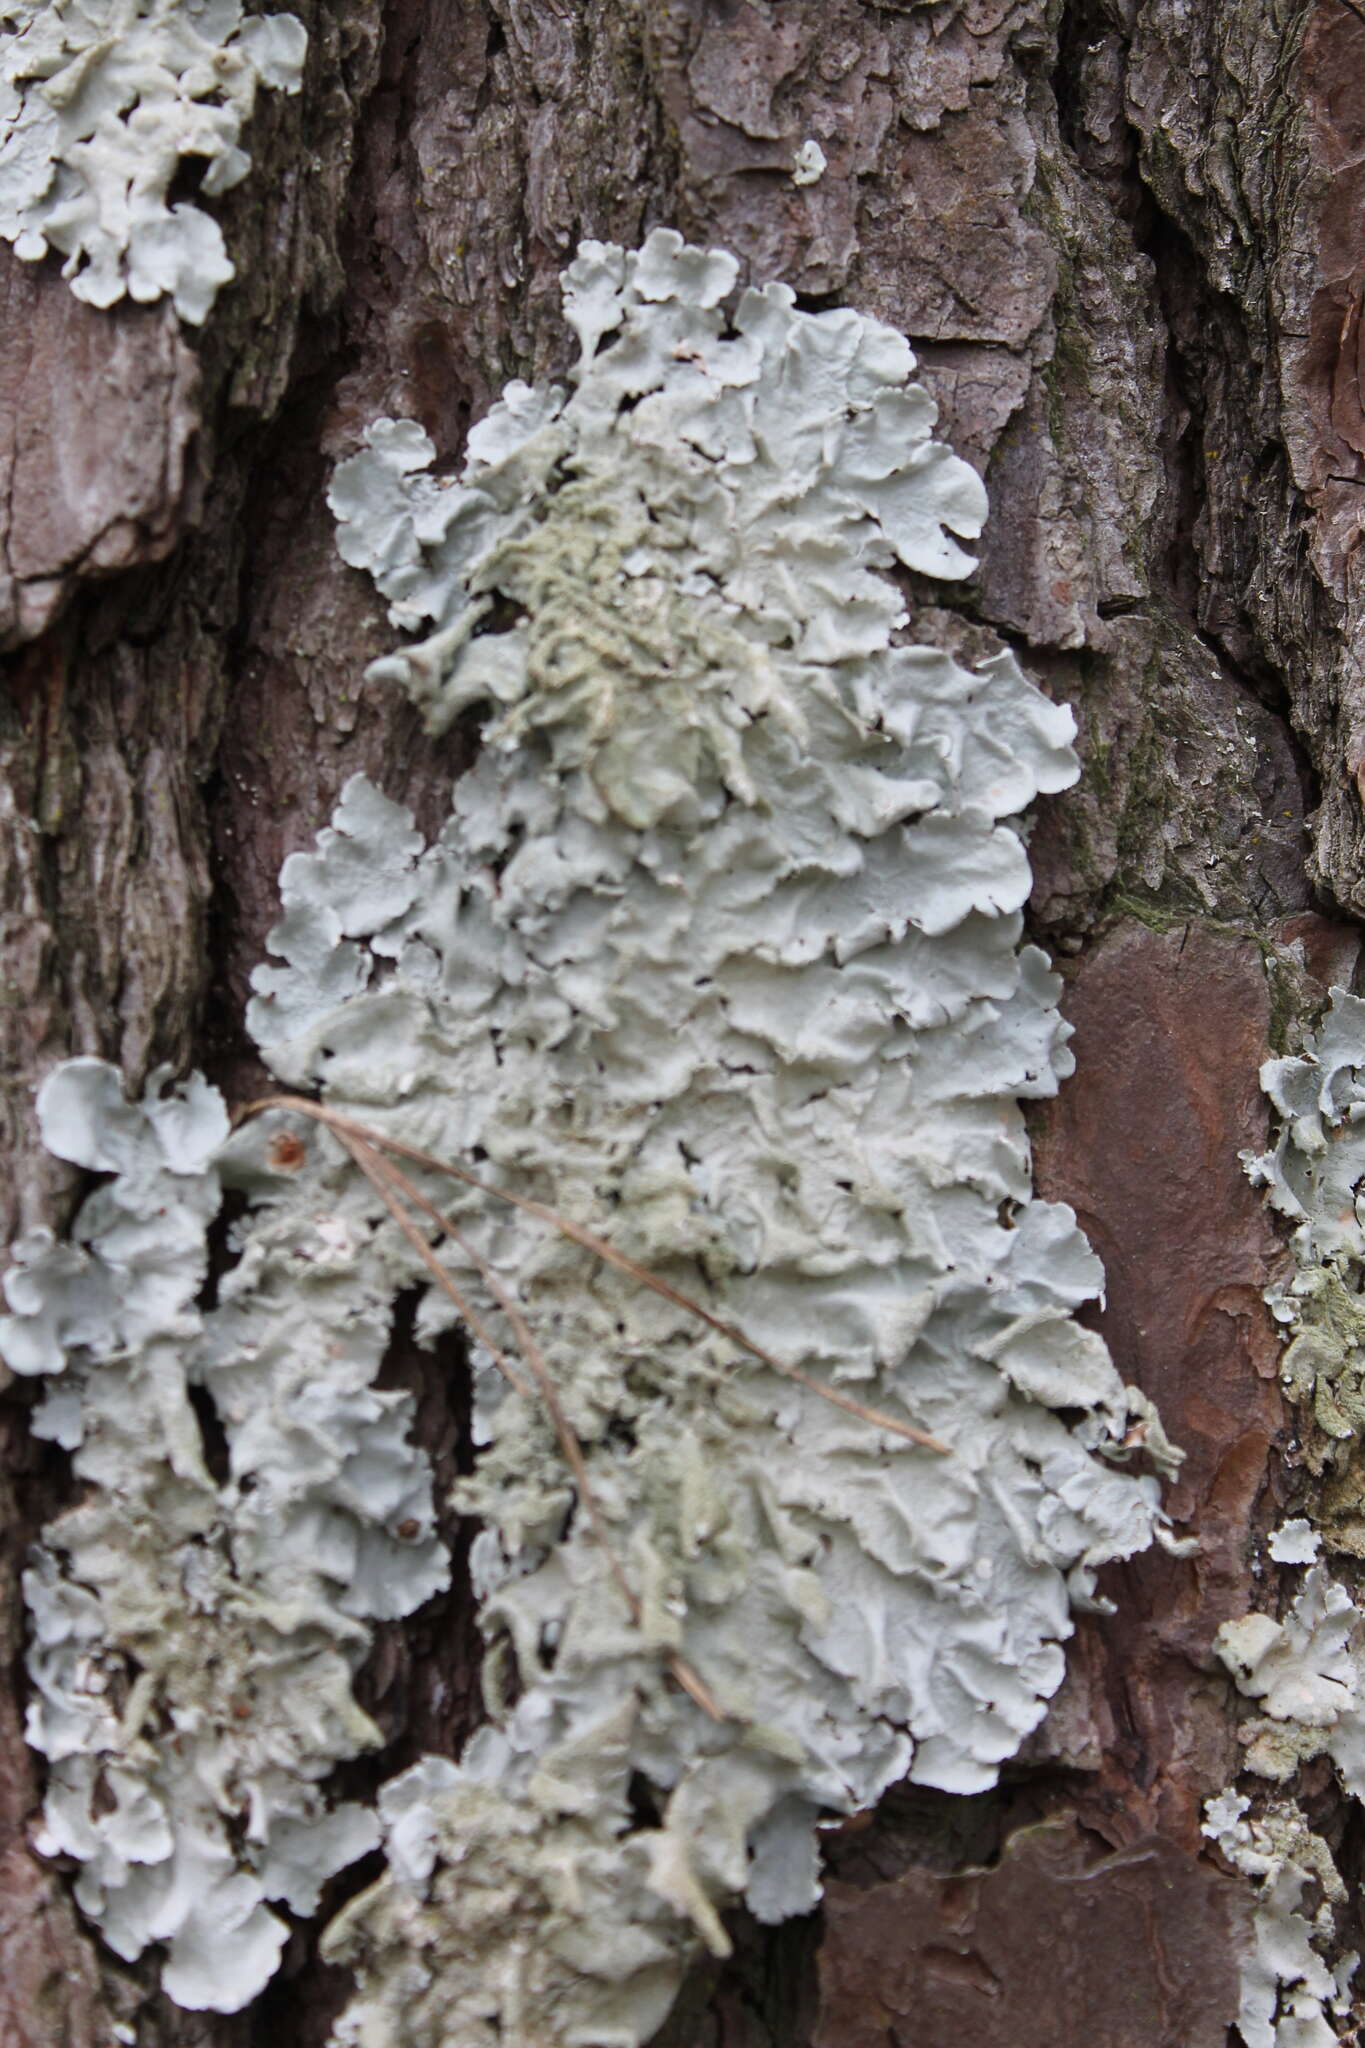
(1058, 1944)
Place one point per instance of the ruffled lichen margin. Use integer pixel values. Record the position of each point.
(1304, 1673)
(102, 105)
(718, 957)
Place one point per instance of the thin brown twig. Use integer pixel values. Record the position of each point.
(377, 1172)
(389, 1184)
(600, 1247)
(390, 1187)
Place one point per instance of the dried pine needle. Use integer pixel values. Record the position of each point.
(367, 1135)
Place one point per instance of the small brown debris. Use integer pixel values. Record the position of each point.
(286, 1152)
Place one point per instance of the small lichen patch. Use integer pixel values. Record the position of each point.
(1290, 1997)
(101, 104)
(1294, 1542)
(1306, 1671)
(808, 163)
(194, 1639)
(1311, 1175)
(1308, 1674)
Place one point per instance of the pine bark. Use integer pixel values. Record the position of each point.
(1125, 238)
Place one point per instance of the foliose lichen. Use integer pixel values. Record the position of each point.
(1311, 1175)
(101, 104)
(195, 1633)
(1294, 1542)
(1308, 1674)
(1290, 1997)
(718, 957)
(1306, 1671)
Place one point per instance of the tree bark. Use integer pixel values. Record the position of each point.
(1125, 239)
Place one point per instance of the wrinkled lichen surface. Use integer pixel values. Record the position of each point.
(718, 956)
(195, 1636)
(1311, 1177)
(101, 104)
(1306, 1671)
(1290, 1997)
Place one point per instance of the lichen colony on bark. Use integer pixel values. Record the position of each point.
(195, 1638)
(718, 956)
(101, 103)
(1305, 1672)
(1123, 237)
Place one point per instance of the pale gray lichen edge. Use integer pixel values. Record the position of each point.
(1305, 1672)
(101, 106)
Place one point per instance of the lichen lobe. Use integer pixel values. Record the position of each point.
(101, 104)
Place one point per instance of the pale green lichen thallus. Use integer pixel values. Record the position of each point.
(719, 955)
